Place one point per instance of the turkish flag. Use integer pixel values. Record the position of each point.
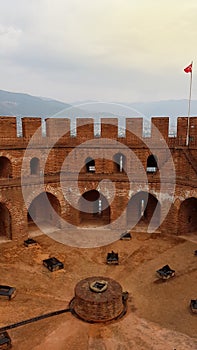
(188, 69)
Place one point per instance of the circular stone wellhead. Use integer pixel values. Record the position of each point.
(98, 299)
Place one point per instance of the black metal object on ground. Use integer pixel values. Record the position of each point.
(125, 296)
(53, 264)
(34, 319)
(126, 236)
(30, 242)
(193, 305)
(5, 341)
(112, 258)
(7, 292)
(165, 272)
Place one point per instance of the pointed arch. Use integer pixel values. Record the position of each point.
(151, 164)
(90, 165)
(5, 167)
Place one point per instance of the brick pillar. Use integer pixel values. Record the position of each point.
(162, 125)
(85, 129)
(7, 127)
(109, 128)
(30, 126)
(58, 127)
(134, 130)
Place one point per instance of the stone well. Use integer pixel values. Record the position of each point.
(98, 299)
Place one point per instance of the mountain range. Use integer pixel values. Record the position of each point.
(21, 104)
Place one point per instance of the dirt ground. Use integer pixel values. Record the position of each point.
(158, 316)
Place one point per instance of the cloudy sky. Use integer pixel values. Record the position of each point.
(107, 50)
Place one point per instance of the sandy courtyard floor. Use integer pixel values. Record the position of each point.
(158, 316)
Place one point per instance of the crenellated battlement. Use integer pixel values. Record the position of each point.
(87, 128)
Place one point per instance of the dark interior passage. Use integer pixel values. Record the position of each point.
(94, 209)
(142, 209)
(187, 218)
(44, 209)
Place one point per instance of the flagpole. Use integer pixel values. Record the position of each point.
(189, 105)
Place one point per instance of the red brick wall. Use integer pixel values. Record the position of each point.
(136, 154)
(57, 127)
(7, 127)
(109, 128)
(161, 124)
(30, 126)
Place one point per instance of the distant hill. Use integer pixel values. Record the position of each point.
(19, 104)
(166, 108)
(170, 108)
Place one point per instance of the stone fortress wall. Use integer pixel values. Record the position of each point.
(139, 168)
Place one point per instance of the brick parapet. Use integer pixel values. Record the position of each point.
(59, 129)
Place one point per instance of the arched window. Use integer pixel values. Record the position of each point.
(151, 165)
(34, 166)
(5, 167)
(90, 165)
(119, 162)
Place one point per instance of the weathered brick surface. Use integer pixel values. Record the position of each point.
(30, 126)
(98, 307)
(7, 127)
(162, 125)
(61, 171)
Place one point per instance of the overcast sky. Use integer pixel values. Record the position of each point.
(107, 50)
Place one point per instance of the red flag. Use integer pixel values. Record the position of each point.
(188, 69)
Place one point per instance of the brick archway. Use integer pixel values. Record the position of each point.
(140, 210)
(45, 210)
(187, 216)
(94, 209)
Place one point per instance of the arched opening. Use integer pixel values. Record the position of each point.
(94, 209)
(44, 211)
(5, 167)
(187, 217)
(34, 166)
(140, 210)
(119, 160)
(151, 165)
(90, 165)
(5, 222)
